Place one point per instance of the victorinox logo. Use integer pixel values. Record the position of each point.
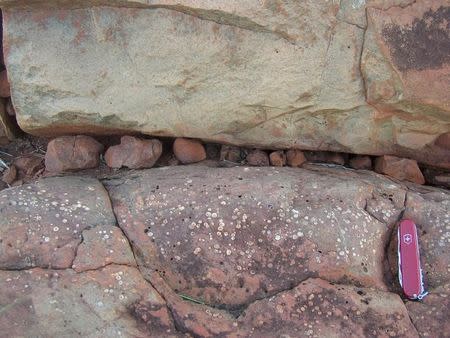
(407, 238)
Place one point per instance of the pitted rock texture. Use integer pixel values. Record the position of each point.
(101, 246)
(267, 74)
(344, 311)
(230, 236)
(261, 262)
(41, 224)
(430, 316)
(314, 308)
(112, 302)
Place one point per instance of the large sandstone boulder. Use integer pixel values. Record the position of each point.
(267, 74)
(406, 69)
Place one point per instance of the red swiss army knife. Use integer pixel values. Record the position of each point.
(409, 270)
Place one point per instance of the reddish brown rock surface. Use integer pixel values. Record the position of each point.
(5, 91)
(68, 153)
(316, 308)
(134, 153)
(232, 252)
(111, 302)
(361, 163)
(258, 158)
(229, 236)
(41, 224)
(278, 158)
(400, 168)
(295, 158)
(101, 246)
(430, 316)
(189, 151)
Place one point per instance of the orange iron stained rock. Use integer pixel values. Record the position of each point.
(409, 270)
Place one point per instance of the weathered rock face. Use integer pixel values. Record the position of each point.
(101, 246)
(406, 68)
(111, 302)
(268, 74)
(430, 316)
(229, 236)
(344, 312)
(41, 224)
(276, 251)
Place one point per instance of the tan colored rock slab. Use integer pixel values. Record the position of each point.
(258, 74)
(408, 79)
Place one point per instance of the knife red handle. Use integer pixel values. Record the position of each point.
(409, 270)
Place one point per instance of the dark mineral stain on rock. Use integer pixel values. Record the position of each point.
(424, 45)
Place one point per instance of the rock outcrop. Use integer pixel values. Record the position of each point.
(114, 301)
(41, 225)
(317, 75)
(242, 252)
(251, 232)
